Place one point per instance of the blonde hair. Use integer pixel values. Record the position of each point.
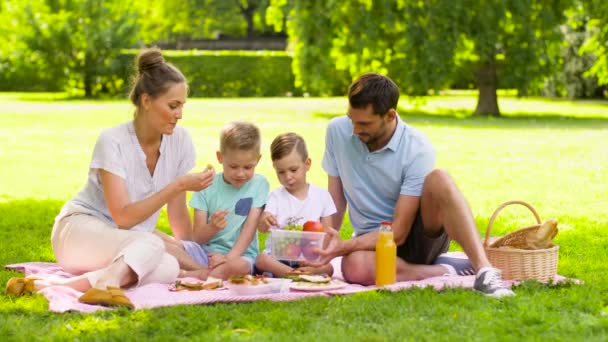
(154, 76)
(285, 143)
(241, 136)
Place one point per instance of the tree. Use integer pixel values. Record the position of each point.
(169, 20)
(77, 41)
(418, 43)
(597, 12)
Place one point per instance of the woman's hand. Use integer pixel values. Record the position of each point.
(267, 221)
(196, 181)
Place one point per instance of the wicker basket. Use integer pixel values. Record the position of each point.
(521, 264)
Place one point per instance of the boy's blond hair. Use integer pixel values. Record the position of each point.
(243, 136)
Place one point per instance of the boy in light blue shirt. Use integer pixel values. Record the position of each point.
(226, 213)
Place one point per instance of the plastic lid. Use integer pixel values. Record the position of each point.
(386, 223)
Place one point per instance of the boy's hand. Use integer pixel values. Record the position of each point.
(216, 259)
(218, 220)
(267, 221)
(197, 181)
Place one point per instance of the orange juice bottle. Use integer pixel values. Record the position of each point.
(386, 256)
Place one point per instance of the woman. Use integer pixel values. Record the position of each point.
(106, 233)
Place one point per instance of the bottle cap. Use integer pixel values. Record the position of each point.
(386, 223)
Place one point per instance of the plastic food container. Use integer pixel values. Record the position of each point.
(294, 245)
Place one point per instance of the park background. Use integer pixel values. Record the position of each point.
(511, 93)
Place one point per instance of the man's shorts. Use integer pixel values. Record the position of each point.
(419, 248)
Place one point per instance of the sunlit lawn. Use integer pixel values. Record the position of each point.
(549, 153)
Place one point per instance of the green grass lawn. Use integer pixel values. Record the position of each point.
(549, 153)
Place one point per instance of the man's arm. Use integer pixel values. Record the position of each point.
(403, 218)
(334, 186)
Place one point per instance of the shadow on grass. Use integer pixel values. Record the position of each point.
(463, 118)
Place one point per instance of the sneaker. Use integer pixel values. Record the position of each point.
(489, 282)
(461, 266)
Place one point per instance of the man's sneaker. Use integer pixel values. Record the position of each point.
(489, 282)
(461, 266)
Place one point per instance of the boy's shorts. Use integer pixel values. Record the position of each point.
(419, 248)
(251, 263)
(196, 252)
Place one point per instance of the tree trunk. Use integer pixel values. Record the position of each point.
(88, 77)
(248, 13)
(487, 101)
(250, 26)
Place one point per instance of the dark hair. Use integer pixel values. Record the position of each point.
(379, 91)
(285, 143)
(154, 76)
(241, 136)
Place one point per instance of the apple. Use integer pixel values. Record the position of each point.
(292, 251)
(313, 226)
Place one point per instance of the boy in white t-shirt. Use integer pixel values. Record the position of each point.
(295, 202)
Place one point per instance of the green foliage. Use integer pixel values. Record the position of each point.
(545, 152)
(168, 21)
(572, 78)
(597, 12)
(76, 43)
(20, 68)
(230, 73)
(419, 43)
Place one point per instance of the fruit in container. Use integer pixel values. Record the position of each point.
(313, 226)
(292, 251)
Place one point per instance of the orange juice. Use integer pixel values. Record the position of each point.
(386, 256)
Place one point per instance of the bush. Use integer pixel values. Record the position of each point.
(228, 73)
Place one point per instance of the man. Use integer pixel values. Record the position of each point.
(382, 169)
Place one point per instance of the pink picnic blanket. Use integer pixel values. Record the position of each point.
(62, 299)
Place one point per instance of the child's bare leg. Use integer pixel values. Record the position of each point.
(267, 263)
(175, 248)
(232, 267)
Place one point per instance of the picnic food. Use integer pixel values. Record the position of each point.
(313, 226)
(248, 280)
(295, 245)
(209, 167)
(296, 273)
(210, 284)
(530, 239)
(308, 278)
(306, 282)
(309, 250)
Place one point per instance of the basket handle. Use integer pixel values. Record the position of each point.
(501, 207)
